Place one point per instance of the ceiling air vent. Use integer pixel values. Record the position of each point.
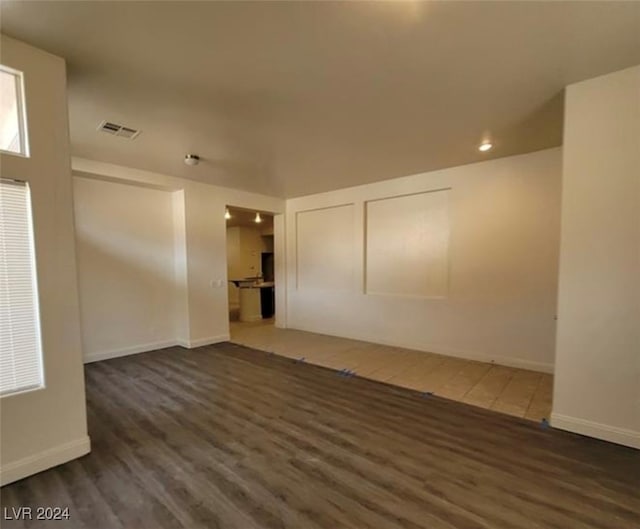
(118, 130)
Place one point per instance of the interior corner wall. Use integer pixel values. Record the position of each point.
(597, 382)
(280, 269)
(233, 258)
(200, 229)
(47, 426)
(181, 290)
(128, 256)
(491, 286)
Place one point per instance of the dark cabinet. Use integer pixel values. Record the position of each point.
(267, 302)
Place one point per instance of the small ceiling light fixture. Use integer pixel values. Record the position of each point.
(192, 159)
(485, 146)
(227, 214)
(258, 219)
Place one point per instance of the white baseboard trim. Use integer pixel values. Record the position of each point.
(43, 460)
(115, 353)
(613, 434)
(144, 348)
(508, 361)
(208, 341)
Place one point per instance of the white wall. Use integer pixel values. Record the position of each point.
(325, 252)
(597, 383)
(200, 228)
(499, 301)
(46, 427)
(126, 267)
(415, 230)
(181, 290)
(233, 266)
(280, 269)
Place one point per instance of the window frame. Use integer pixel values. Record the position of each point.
(21, 111)
(36, 294)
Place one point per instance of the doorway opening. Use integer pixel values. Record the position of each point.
(250, 267)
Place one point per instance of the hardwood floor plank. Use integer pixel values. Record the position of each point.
(230, 437)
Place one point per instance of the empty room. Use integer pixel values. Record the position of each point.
(320, 264)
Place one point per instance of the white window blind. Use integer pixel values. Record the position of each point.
(20, 346)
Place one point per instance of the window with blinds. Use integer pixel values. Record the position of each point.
(20, 346)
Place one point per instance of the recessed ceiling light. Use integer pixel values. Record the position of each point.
(485, 146)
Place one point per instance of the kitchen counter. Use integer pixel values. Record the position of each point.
(251, 283)
(254, 298)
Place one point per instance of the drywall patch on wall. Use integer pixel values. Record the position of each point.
(325, 248)
(407, 245)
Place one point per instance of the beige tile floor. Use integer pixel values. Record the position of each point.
(517, 392)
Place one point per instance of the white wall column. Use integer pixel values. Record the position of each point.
(597, 382)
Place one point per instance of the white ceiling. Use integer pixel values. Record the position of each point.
(291, 98)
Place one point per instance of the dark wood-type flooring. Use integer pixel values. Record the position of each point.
(229, 437)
